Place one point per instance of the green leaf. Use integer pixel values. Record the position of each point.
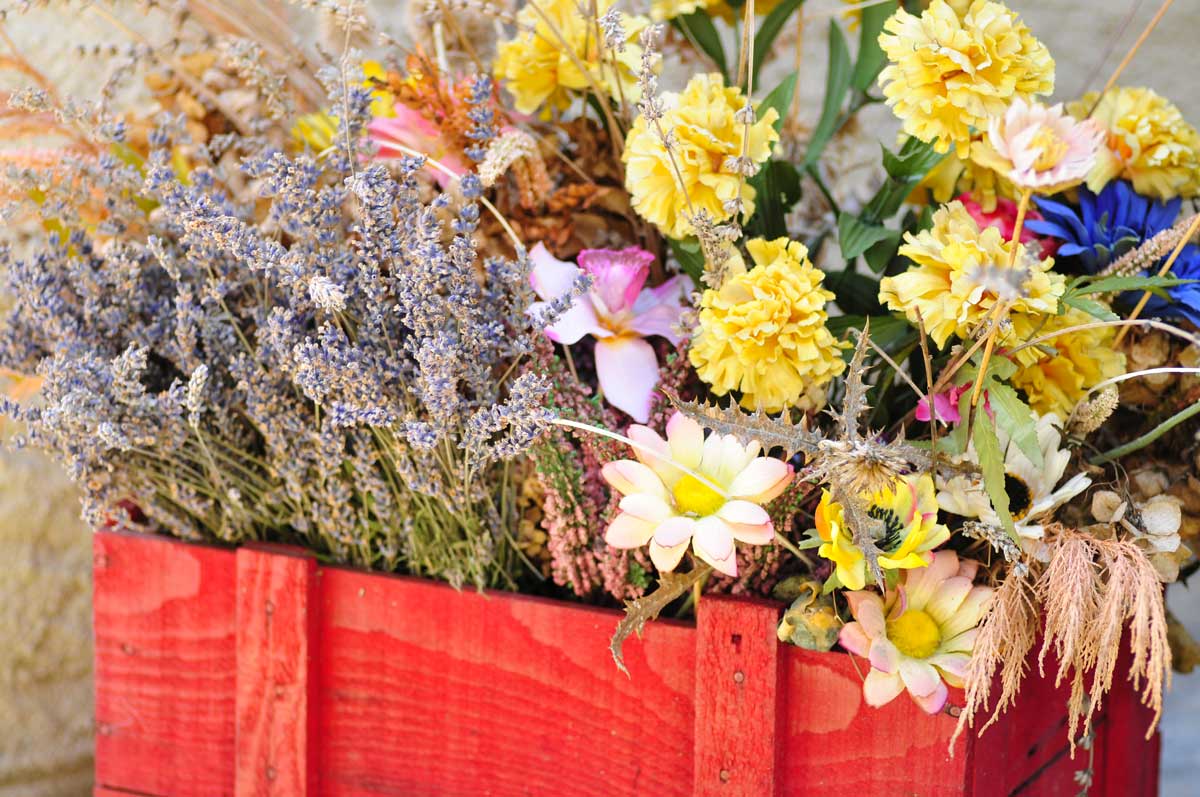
(1015, 416)
(837, 80)
(1091, 307)
(690, 257)
(777, 190)
(870, 55)
(888, 332)
(991, 463)
(699, 28)
(780, 99)
(1116, 284)
(856, 293)
(770, 28)
(914, 160)
(880, 255)
(855, 237)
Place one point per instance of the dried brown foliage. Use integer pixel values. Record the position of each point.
(1091, 594)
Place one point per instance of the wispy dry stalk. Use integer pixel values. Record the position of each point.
(1006, 636)
(1150, 252)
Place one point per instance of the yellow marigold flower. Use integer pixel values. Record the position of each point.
(954, 176)
(1056, 383)
(954, 67)
(662, 10)
(1148, 143)
(763, 333)
(315, 130)
(707, 141)
(958, 274)
(541, 65)
(908, 512)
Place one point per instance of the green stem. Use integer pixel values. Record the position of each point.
(1149, 437)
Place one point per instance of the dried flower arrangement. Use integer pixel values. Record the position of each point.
(436, 312)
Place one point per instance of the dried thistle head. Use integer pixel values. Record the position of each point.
(1091, 413)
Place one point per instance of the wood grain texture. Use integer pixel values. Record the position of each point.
(276, 624)
(165, 662)
(400, 686)
(736, 698)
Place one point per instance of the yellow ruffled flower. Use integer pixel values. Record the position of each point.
(955, 66)
(707, 141)
(1055, 383)
(663, 10)
(1148, 143)
(763, 333)
(541, 65)
(958, 274)
(954, 176)
(908, 512)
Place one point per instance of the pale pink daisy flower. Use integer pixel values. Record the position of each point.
(1039, 148)
(708, 491)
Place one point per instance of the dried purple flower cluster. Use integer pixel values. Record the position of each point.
(308, 350)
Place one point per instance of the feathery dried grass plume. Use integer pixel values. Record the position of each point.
(1092, 593)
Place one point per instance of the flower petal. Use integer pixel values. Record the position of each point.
(969, 612)
(954, 663)
(675, 531)
(617, 275)
(880, 688)
(935, 701)
(947, 599)
(854, 639)
(550, 277)
(920, 678)
(627, 531)
(657, 311)
(713, 537)
(867, 608)
(628, 372)
(647, 506)
(883, 655)
(762, 480)
(921, 584)
(743, 512)
(628, 476)
(666, 558)
(728, 565)
(685, 438)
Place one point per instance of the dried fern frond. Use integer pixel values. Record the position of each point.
(1006, 636)
(771, 432)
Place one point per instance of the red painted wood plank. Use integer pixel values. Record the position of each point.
(835, 745)
(165, 661)
(736, 698)
(425, 690)
(276, 624)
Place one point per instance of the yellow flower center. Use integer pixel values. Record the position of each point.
(693, 495)
(915, 634)
(1051, 149)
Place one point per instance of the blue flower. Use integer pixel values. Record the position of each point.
(1183, 300)
(1105, 225)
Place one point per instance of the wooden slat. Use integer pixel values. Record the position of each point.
(736, 698)
(276, 625)
(426, 690)
(165, 661)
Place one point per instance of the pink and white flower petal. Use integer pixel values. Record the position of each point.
(647, 506)
(921, 584)
(920, 677)
(854, 639)
(675, 531)
(959, 643)
(883, 655)
(627, 369)
(551, 277)
(617, 275)
(726, 565)
(627, 531)
(685, 438)
(881, 688)
(762, 480)
(952, 665)
(657, 311)
(666, 558)
(935, 701)
(713, 537)
(948, 598)
(969, 612)
(573, 325)
(750, 522)
(867, 609)
(628, 476)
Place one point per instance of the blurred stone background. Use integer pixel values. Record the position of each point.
(45, 650)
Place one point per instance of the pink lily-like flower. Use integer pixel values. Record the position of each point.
(945, 405)
(619, 312)
(409, 129)
(1004, 219)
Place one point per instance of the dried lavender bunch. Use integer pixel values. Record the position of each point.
(320, 357)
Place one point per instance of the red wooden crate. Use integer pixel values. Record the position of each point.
(257, 672)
